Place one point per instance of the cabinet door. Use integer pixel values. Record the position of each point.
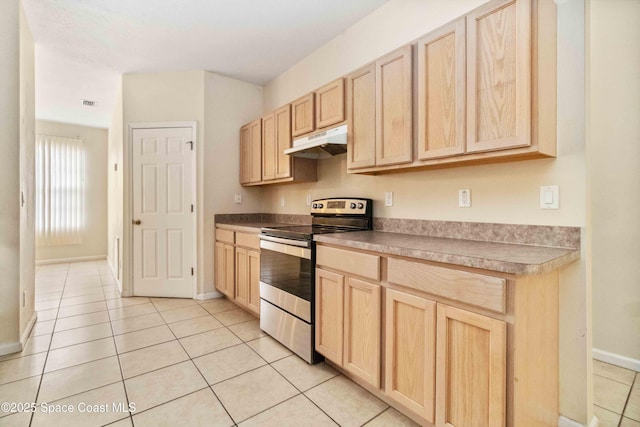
(410, 326)
(225, 273)
(245, 154)
(499, 76)
(253, 277)
(441, 92)
(361, 118)
(394, 108)
(242, 279)
(283, 141)
(330, 104)
(255, 150)
(329, 315)
(302, 116)
(362, 330)
(268, 147)
(471, 369)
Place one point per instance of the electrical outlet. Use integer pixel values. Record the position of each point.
(388, 198)
(464, 198)
(282, 201)
(549, 197)
(237, 198)
(308, 199)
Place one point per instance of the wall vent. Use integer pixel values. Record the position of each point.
(88, 103)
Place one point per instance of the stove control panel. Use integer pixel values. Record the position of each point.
(347, 206)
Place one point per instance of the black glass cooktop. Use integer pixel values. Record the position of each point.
(304, 232)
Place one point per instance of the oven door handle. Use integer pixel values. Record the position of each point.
(290, 242)
(295, 251)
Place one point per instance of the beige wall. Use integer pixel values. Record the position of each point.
(115, 190)
(220, 106)
(9, 174)
(16, 168)
(505, 193)
(614, 174)
(94, 239)
(229, 103)
(27, 177)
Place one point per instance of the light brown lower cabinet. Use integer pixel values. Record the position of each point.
(225, 269)
(470, 369)
(237, 268)
(410, 349)
(348, 324)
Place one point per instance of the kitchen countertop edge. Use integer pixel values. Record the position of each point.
(401, 245)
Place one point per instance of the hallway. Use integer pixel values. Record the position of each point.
(177, 361)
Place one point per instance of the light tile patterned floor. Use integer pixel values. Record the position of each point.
(616, 395)
(182, 362)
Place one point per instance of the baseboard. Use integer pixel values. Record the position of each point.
(568, 422)
(27, 330)
(76, 259)
(210, 295)
(115, 276)
(9, 348)
(616, 359)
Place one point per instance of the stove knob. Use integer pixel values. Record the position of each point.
(360, 205)
(315, 205)
(352, 205)
(320, 206)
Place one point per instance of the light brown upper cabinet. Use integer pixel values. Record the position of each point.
(361, 118)
(303, 118)
(268, 147)
(380, 112)
(262, 158)
(499, 76)
(330, 104)
(276, 137)
(282, 117)
(394, 108)
(441, 92)
(485, 93)
(251, 152)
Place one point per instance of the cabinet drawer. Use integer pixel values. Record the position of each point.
(225, 236)
(354, 263)
(475, 289)
(248, 240)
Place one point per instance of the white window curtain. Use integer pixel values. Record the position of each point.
(59, 190)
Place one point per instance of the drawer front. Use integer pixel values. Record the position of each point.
(248, 240)
(353, 263)
(225, 236)
(474, 289)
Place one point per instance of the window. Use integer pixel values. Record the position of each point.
(59, 190)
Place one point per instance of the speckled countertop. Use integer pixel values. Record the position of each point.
(501, 257)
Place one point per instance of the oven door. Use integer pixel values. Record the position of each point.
(286, 294)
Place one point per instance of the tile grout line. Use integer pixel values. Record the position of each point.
(626, 402)
(124, 385)
(46, 358)
(201, 374)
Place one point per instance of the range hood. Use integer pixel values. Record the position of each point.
(320, 145)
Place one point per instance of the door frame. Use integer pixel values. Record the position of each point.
(128, 200)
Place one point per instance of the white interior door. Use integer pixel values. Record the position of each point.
(163, 221)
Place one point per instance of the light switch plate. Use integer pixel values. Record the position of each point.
(549, 197)
(388, 198)
(282, 201)
(464, 198)
(308, 199)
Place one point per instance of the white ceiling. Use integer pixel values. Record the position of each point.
(82, 46)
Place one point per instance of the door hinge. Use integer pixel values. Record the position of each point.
(191, 207)
(192, 271)
(191, 144)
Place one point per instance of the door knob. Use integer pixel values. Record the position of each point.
(136, 222)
